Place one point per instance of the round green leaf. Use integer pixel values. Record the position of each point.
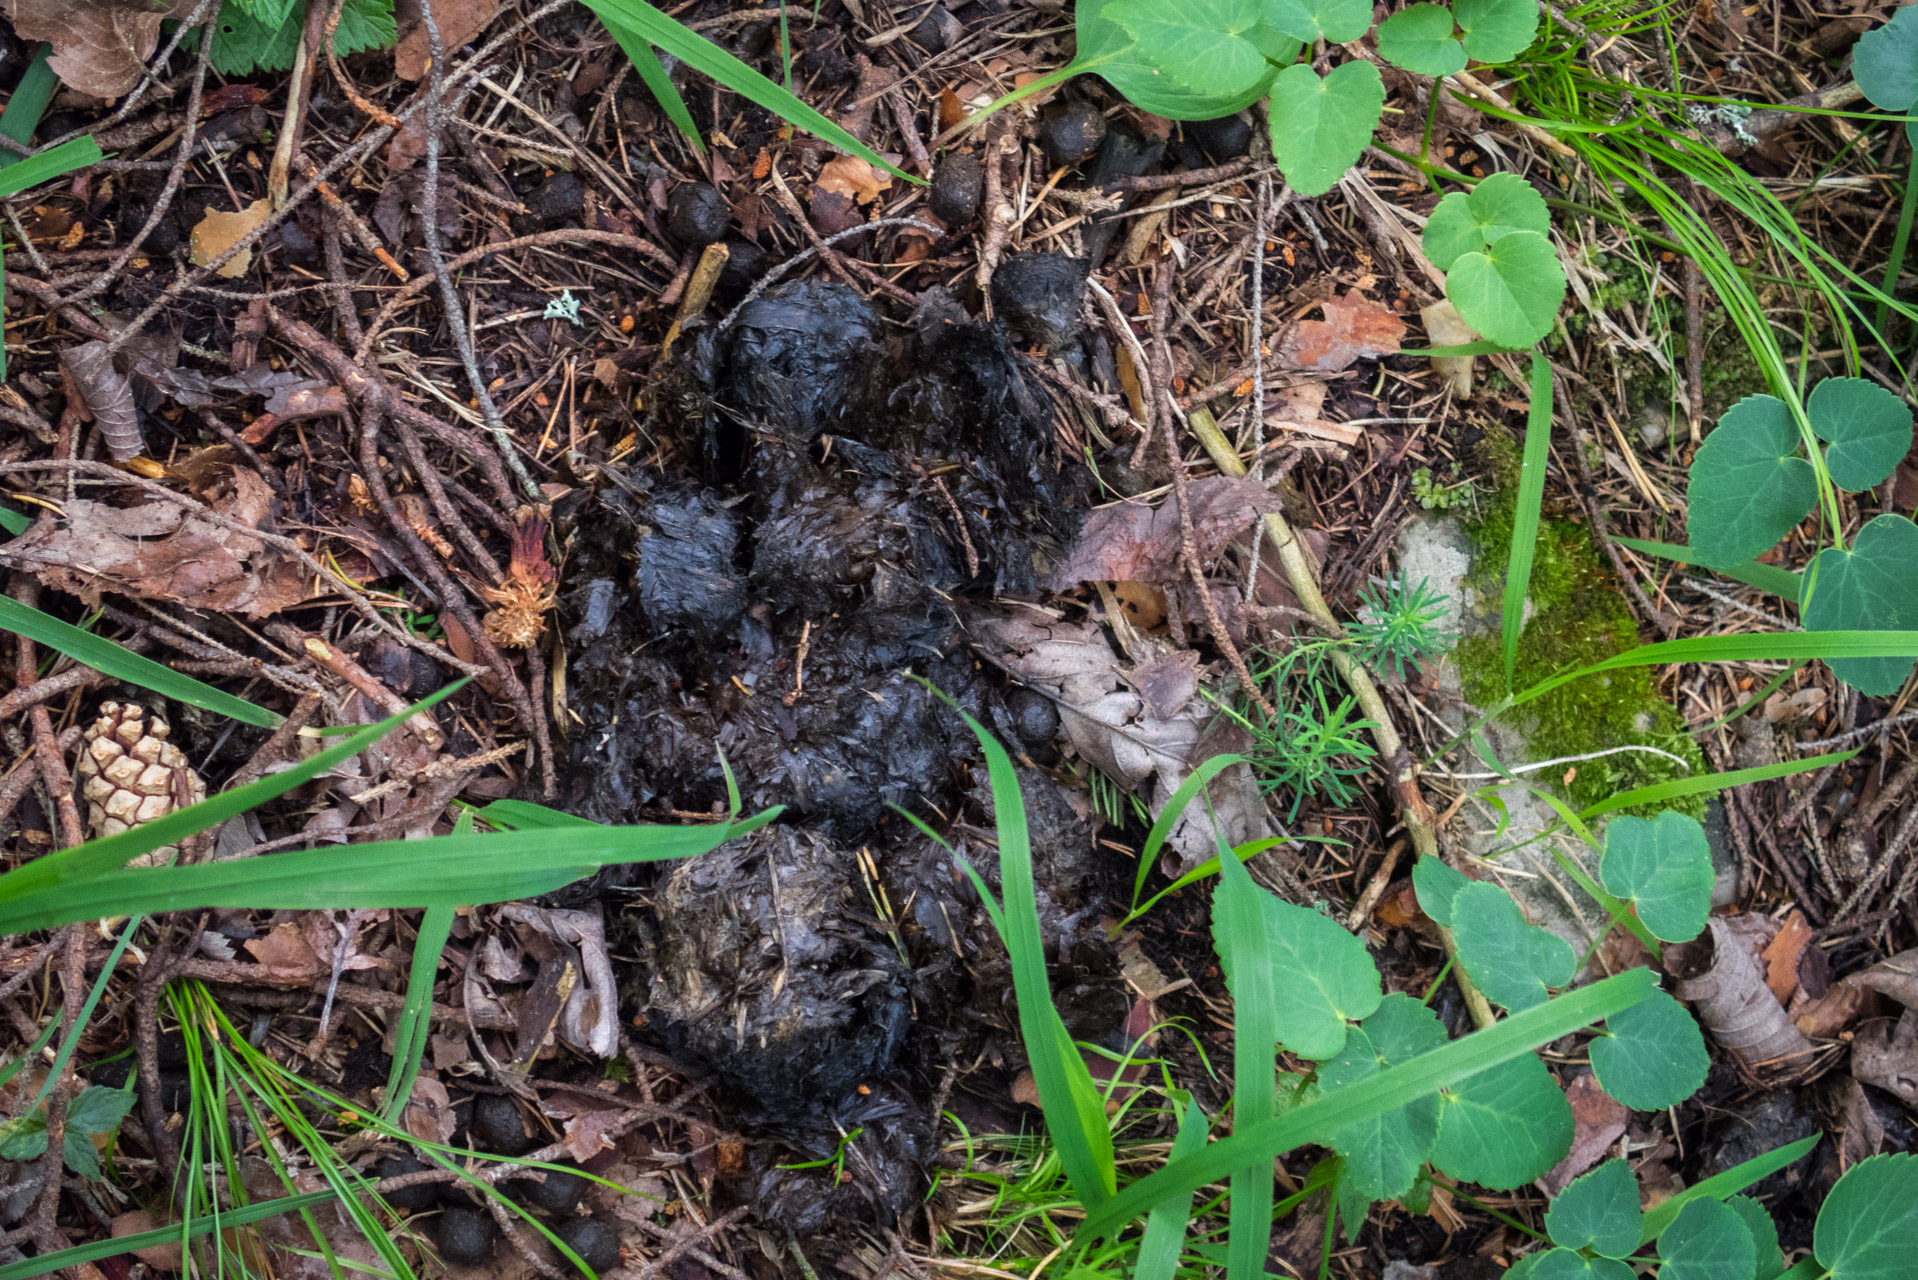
(1320, 127)
(1598, 1211)
(1323, 978)
(1757, 1220)
(1884, 62)
(1512, 962)
(1466, 222)
(1749, 487)
(1383, 1155)
(1419, 38)
(1563, 1264)
(1106, 49)
(1437, 884)
(1201, 44)
(1511, 290)
(1707, 1241)
(1868, 427)
(1665, 867)
(1504, 1126)
(1650, 1056)
(1338, 21)
(1868, 1223)
(1872, 586)
(1496, 30)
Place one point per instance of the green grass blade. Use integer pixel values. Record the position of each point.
(410, 1032)
(1672, 789)
(396, 874)
(654, 27)
(30, 1267)
(12, 1069)
(1531, 497)
(1317, 1121)
(524, 815)
(31, 171)
(1899, 242)
(87, 1007)
(123, 664)
(646, 61)
(1210, 867)
(1766, 577)
(1245, 949)
(28, 103)
(1169, 816)
(10, 520)
(1718, 1186)
(1165, 1228)
(1761, 646)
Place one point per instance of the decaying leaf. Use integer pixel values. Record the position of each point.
(590, 1017)
(852, 177)
(217, 232)
(1445, 327)
(1729, 994)
(1598, 1120)
(1132, 542)
(588, 1130)
(1117, 729)
(1355, 328)
(1782, 954)
(1896, 977)
(285, 947)
(428, 1114)
(1885, 1053)
(99, 46)
(162, 552)
(109, 397)
(458, 21)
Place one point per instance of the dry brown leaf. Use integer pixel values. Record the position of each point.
(853, 177)
(162, 552)
(285, 947)
(1861, 1132)
(1832, 1012)
(589, 1133)
(1355, 328)
(217, 232)
(1598, 1120)
(1132, 542)
(458, 21)
(109, 397)
(428, 1114)
(1730, 997)
(1782, 955)
(1896, 977)
(99, 46)
(1445, 327)
(1885, 1053)
(161, 1257)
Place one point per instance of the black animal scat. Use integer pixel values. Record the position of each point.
(466, 1236)
(957, 185)
(696, 214)
(499, 1127)
(1040, 295)
(687, 577)
(1073, 134)
(558, 199)
(596, 1243)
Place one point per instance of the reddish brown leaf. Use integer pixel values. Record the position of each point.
(852, 177)
(590, 1132)
(99, 46)
(1782, 954)
(1598, 1120)
(1355, 328)
(458, 21)
(1131, 542)
(285, 947)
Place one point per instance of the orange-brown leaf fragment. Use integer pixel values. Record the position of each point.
(217, 232)
(1782, 955)
(853, 178)
(1355, 328)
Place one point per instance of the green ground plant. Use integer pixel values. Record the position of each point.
(264, 35)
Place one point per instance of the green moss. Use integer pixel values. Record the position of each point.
(1578, 618)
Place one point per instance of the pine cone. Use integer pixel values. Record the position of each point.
(129, 775)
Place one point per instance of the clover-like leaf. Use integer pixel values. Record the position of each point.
(1419, 38)
(1884, 62)
(1868, 428)
(1598, 1211)
(1437, 884)
(1325, 978)
(1509, 291)
(1870, 586)
(1650, 1056)
(1563, 1264)
(1749, 487)
(1504, 1126)
(1511, 961)
(1496, 30)
(1867, 1224)
(1201, 44)
(1665, 867)
(1757, 1220)
(1320, 127)
(1117, 59)
(1707, 1241)
(1383, 1154)
(1465, 222)
(1338, 21)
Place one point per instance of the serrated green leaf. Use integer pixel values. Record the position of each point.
(24, 1137)
(1870, 586)
(78, 1153)
(1419, 38)
(1884, 62)
(1465, 222)
(1509, 291)
(1201, 44)
(1496, 30)
(1868, 428)
(1764, 1232)
(1867, 1224)
(1664, 866)
(1437, 884)
(1383, 1154)
(1320, 127)
(1503, 1127)
(1338, 21)
(1323, 978)
(1598, 1211)
(1651, 1056)
(1512, 962)
(1749, 487)
(1707, 1241)
(1108, 51)
(99, 1110)
(245, 41)
(1563, 1264)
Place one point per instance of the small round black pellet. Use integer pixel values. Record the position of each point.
(1074, 134)
(467, 1236)
(596, 1243)
(697, 214)
(498, 1127)
(956, 185)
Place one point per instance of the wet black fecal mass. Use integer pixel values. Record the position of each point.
(777, 589)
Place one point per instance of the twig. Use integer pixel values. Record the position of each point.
(1187, 178)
